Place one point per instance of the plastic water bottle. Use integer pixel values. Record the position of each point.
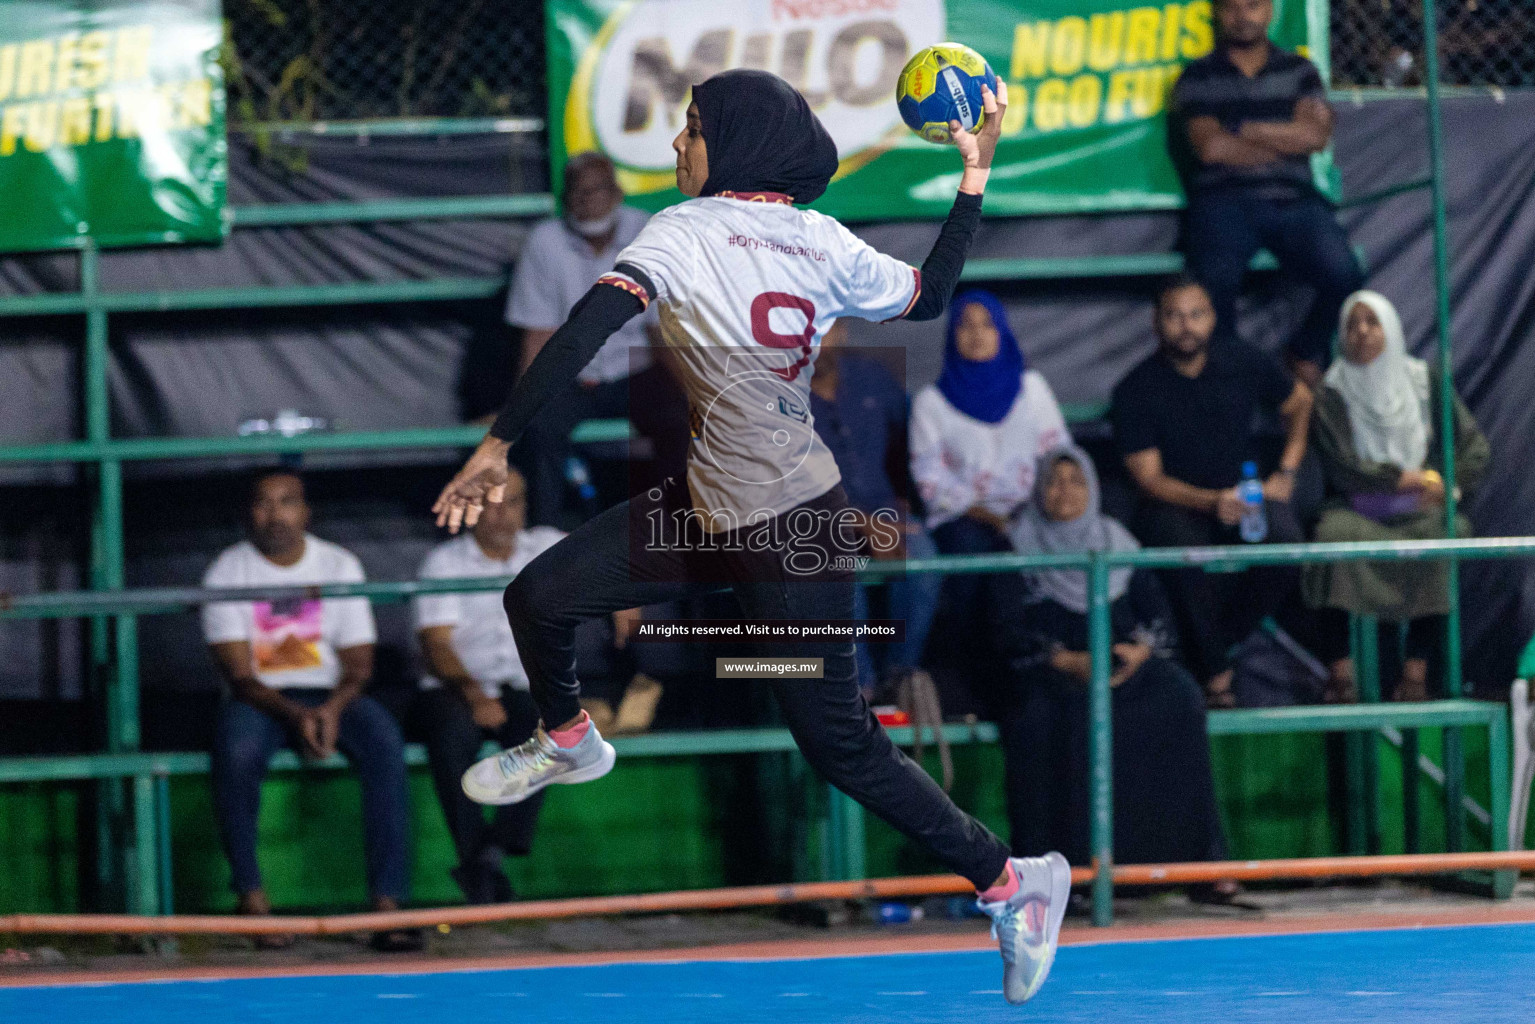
(580, 478)
(1255, 521)
(897, 913)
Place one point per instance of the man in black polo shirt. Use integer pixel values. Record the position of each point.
(1183, 420)
(1246, 119)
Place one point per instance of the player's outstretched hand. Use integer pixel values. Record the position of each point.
(977, 148)
(482, 479)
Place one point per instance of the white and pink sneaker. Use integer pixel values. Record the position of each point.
(515, 774)
(1027, 925)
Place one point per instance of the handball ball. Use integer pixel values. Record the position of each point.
(941, 84)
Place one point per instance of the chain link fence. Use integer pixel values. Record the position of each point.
(321, 60)
(317, 60)
(1481, 43)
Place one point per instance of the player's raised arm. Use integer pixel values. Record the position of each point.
(601, 312)
(941, 269)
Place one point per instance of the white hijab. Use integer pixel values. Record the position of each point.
(1387, 398)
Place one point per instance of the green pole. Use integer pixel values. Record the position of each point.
(107, 482)
(96, 429)
(115, 651)
(163, 840)
(1454, 768)
(144, 888)
(1100, 742)
(1498, 799)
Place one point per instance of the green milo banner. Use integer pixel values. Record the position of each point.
(111, 122)
(1087, 79)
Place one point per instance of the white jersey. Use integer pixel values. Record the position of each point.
(746, 288)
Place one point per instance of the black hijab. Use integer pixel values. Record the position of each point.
(762, 137)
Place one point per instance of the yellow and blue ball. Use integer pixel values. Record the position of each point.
(941, 84)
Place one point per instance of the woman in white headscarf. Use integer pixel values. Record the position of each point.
(1164, 793)
(1374, 427)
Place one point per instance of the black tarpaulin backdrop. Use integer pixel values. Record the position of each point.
(381, 367)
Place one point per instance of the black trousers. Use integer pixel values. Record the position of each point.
(615, 561)
(1223, 228)
(453, 743)
(651, 400)
(963, 658)
(1164, 791)
(1216, 611)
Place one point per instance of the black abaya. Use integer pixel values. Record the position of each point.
(1164, 792)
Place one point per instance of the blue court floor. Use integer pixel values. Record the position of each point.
(1483, 974)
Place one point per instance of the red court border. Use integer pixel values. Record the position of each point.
(795, 949)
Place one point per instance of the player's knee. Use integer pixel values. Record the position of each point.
(518, 601)
(533, 598)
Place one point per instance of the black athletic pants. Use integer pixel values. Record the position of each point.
(1216, 611)
(613, 562)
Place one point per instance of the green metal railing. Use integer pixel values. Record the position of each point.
(150, 769)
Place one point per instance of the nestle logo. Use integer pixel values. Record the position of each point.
(747, 242)
(796, 9)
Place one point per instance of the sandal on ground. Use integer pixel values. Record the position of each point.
(1227, 892)
(398, 940)
(254, 904)
(395, 940)
(1220, 693)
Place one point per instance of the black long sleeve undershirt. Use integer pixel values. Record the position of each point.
(600, 313)
(940, 271)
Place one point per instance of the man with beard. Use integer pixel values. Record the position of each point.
(296, 669)
(1184, 422)
(1246, 119)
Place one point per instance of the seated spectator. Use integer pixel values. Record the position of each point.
(861, 413)
(1373, 428)
(296, 670)
(561, 259)
(475, 688)
(975, 436)
(1245, 121)
(1183, 420)
(1164, 792)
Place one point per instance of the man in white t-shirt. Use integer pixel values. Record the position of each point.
(475, 687)
(561, 259)
(296, 669)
